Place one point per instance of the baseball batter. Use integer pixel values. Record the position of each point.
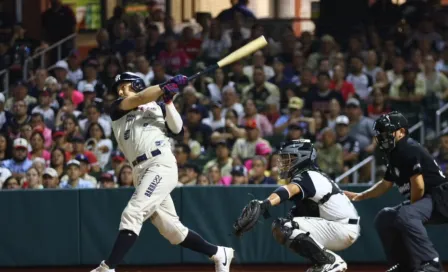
(323, 219)
(141, 127)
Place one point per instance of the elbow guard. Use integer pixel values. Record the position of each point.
(283, 193)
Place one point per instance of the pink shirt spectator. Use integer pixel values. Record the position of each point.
(226, 181)
(77, 97)
(263, 124)
(46, 155)
(174, 61)
(261, 149)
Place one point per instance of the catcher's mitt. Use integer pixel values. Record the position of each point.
(249, 216)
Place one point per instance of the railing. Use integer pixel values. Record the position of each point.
(439, 113)
(42, 53)
(371, 159)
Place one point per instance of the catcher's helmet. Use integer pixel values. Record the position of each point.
(296, 156)
(385, 126)
(137, 83)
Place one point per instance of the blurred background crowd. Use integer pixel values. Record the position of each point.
(56, 130)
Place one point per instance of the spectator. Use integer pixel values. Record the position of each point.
(60, 71)
(144, 70)
(4, 175)
(199, 131)
(237, 27)
(51, 85)
(326, 50)
(154, 45)
(103, 146)
(50, 179)
(330, 158)
(261, 90)
(102, 44)
(40, 76)
(11, 183)
(44, 108)
(442, 63)
(37, 123)
(107, 181)
(305, 85)
(25, 132)
(244, 148)
(258, 60)
(74, 179)
(58, 161)
(90, 97)
(215, 119)
(32, 179)
(230, 101)
(195, 146)
(378, 105)
(182, 154)
(118, 161)
(215, 89)
(90, 75)
(189, 44)
(123, 44)
(4, 114)
(320, 99)
(339, 83)
(261, 120)
(112, 68)
(279, 78)
(230, 132)
(5, 147)
(361, 128)
(38, 148)
(117, 16)
(239, 6)
(58, 22)
(19, 163)
(94, 116)
(382, 83)
(320, 121)
(441, 154)
(333, 113)
(238, 77)
(257, 173)
(350, 145)
(371, 68)
(125, 178)
(168, 26)
(204, 180)
(362, 82)
(74, 67)
(173, 58)
(78, 148)
(67, 111)
(19, 118)
(40, 164)
(263, 150)
(294, 116)
(295, 132)
(436, 82)
(159, 74)
(215, 46)
(239, 175)
(324, 67)
(223, 159)
(214, 175)
(68, 92)
(191, 175)
(20, 93)
(396, 73)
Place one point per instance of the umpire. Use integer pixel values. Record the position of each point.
(420, 180)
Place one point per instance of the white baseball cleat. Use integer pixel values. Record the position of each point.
(223, 259)
(339, 265)
(103, 268)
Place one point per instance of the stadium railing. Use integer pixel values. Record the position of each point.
(439, 113)
(371, 159)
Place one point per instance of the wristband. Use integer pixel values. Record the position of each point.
(283, 193)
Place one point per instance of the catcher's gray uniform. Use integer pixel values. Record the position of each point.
(142, 137)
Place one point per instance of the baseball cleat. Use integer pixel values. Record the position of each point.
(339, 265)
(103, 268)
(223, 259)
(395, 268)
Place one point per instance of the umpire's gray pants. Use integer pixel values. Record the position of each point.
(403, 234)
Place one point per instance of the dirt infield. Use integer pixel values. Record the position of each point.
(202, 268)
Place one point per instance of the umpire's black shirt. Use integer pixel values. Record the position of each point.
(407, 159)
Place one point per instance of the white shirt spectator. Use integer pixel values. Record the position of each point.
(75, 76)
(103, 158)
(362, 83)
(4, 175)
(84, 124)
(214, 124)
(268, 71)
(82, 84)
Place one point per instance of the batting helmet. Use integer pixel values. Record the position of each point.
(137, 83)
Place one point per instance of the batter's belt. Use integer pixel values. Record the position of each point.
(145, 157)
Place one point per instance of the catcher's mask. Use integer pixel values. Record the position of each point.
(137, 83)
(296, 156)
(386, 126)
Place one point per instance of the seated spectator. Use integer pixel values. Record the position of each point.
(326, 50)
(112, 68)
(442, 63)
(5, 147)
(294, 116)
(244, 148)
(103, 146)
(382, 83)
(319, 99)
(118, 161)
(305, 85)
(68, 92)
(371, 67)
(361, 128)
(19, 163)
(123, 44)
(182, 153)
(251, 113)
(195, 146)
(279, 78)
(44, 107)
(74, 67)
(261, 90)
(144, 70)
(239, 175)
(19, 92)
(296, 131)
(330, 158)
(78, 148)
(50, 179)
(215, 89)
(38, 148)
(25, 132)
(324, 67)
(154, 45)
(199, 131)
(68, 111)
(11, 183)
(107, 181)
(125, 177)
(334, 111)
(90, 97)
(436, 82)
(203, 180)
(189, 43)
(60, 71)
(262, 150)
(32, 179)
(339, 84)
(361, 81)
(84, 168)
(90, 76)
(40, 164)
(258, 60)
(4, 175)
(38, 124)
(103, 44)
(441, 153)
(191, 175)
(160, 75)
(223, 159)
(378, 105)
(173, 58)
(74, 179)
(58, 161)
(350, 146)
(396, 73)
(38, 84)
(215, 178)
(257, 173)
(237, 26)
(215, 120)
(230, 132)
(230, 101)
(215, 45)
(4, 114)
(94, 116)
(52, 86)
(237, 75)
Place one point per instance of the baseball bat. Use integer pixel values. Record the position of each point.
(238, 54)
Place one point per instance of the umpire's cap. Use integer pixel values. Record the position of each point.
(137, 82)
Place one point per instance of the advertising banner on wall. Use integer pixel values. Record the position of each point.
(88, 13)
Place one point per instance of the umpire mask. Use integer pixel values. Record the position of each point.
(385, 128)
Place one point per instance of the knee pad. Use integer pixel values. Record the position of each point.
(281, 230)
(305, 246)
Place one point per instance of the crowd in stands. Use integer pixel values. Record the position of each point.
(56, 129)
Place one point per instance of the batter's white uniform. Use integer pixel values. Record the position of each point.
(142, 137)
(337, 228)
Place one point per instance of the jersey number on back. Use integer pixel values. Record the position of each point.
(440, 171)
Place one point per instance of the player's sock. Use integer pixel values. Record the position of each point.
(124, 242)
(196, 243)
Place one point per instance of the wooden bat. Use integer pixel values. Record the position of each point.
(238, 54)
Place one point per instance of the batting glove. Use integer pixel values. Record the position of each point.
(169, 91)
(180, 80)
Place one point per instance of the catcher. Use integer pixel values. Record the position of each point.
(323, 219)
